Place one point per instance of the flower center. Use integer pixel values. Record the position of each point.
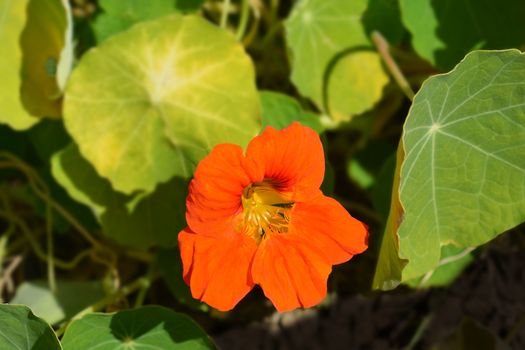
(265, 210)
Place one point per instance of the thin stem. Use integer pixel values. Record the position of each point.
(26, 231)
(224, 13)
(5, 279)
(148, 280)
(243, 22)
(383, 49)
(51, 278)
(35, 182)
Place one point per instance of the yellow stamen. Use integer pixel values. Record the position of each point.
(265, 210)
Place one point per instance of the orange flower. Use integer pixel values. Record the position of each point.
(261, 218)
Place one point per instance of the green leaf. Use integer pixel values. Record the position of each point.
(21, 330)
(280, 110)
(331, 58)
(453, 261)
(47, 46)
(143, 110)
(463, 177)
(120, 15)
(140, 221)
(12, 112)
(170, 266)
(444, 31)
(150, 327)
(70, 298)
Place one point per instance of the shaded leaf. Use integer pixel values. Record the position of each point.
(151, 327)
(21, 330)
(170, 266)
(120, 15)
(150, 102)
(444, 31)
(280, 110)
(141, 221)
(69, 299)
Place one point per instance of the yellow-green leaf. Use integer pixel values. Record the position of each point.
(150, 102)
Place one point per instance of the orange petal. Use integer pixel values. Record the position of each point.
(291, 273)
(217, 269)
(216, 189)
(328, 225)
(293, 157)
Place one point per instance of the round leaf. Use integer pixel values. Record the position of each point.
(323, 34)
(21, 330)
(150, 102)
(463, 178)
(150, 327)
(12, 111)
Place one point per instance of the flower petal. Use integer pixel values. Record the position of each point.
(291, 273)
(328, 225)
(293, 157)
(218, 269)
(216, 189)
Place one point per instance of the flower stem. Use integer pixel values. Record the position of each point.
(225, 12)
(384, 51)
(243, 22)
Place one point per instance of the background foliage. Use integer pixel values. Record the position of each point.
(106, 108)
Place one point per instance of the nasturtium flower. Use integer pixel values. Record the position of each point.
(261, 218)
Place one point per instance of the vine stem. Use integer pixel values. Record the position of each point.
(384, 51)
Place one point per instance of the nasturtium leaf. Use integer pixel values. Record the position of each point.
(330, 50)
(47, 46)
(120, 15)
(463, 177)
(148, 103)
(170, 267)
(70, 298)
(355, 84)
(150, 327)
(12, 111)
(141, 221)
(452, 263)
(21, 330)
(280, 110)
(444, 31)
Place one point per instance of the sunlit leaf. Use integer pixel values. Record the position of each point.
(280, 110)
(12, 111)
(444, 31)
(150, 102)
(21, 330)
(70, 298)
(47, 47)
(150, 327)
(149, 219)
(329, 51)
(463, 177)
